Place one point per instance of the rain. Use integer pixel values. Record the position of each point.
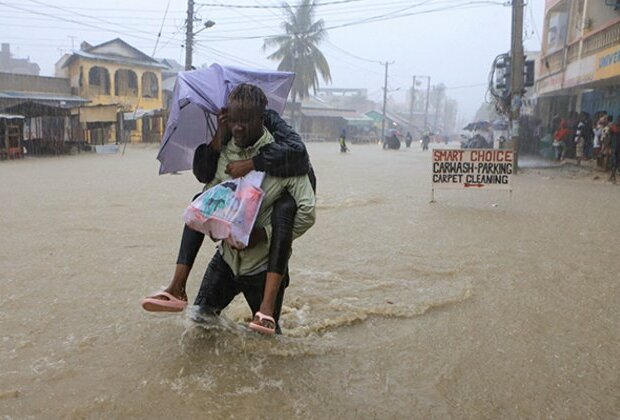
(309, 209)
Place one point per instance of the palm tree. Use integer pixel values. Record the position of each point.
(298, 48)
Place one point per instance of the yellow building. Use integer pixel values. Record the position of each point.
(124, 88)
(579, 68)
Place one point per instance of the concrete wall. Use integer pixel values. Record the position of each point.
(600, 14)
(98, 114)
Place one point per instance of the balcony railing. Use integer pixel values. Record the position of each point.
(590, 44)
(602, 39)
(573, 52)
(594, 42)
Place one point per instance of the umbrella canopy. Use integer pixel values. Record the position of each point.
(198, 97)
(500, 125)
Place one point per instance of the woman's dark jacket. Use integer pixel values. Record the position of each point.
(286, 156)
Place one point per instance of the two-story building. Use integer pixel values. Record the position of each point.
(579, 67)
(124, 87)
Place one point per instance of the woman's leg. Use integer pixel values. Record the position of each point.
(282, 220)
(191, 241)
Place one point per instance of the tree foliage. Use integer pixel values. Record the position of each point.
(297, 49)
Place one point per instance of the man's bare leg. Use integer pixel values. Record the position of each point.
(270, 293)
(272, 287)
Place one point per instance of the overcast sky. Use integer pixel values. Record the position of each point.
(453, 41)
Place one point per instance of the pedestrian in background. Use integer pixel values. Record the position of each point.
(597, 131)
(560, 138)
(614, 136)
(342, 140)
(606, 141)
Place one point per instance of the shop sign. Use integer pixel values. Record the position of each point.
(473, 169)
(608, 63)
(580, 72)
(550, 84)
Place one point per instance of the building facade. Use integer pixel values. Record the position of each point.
(579, 67)
(124, 87)
(8, 64)
(44, 109)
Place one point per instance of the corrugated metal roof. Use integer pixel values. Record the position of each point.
(11, 117)
(40, 96)
(328, 112)
(361, 118)
(114, 59)
(141, 113)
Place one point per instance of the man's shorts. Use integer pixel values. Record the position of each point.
(220, 286)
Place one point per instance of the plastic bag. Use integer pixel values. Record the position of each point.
(228, 210)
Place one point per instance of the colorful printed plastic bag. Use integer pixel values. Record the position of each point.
(228, 210)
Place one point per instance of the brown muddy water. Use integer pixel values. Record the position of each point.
(482, 305)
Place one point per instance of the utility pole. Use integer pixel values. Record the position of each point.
(516, 82)
(428, 96)
(411, 105)
(439, 90)
(385, 84)
(189, 34)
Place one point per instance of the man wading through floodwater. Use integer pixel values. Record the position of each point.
(233, 271)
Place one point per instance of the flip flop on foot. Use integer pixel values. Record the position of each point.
(263, 324)
(163, 302)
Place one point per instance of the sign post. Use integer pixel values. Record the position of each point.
(480, 169)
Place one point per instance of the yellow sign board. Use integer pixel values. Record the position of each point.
(607, 63)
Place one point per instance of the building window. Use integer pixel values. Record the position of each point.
(99, 80)
(149, 85)
(125, 83)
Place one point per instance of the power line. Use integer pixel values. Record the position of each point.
(351, 54)
(123, 10)
(174, 36)
(204, 49)
(389, 16)
(352, 66)
(466, 86)
(281, 6)
(263, 20)
(77, 14)
(52, 18)
(160, 29)
(348, 11)
(89, 25)
(252, 19)
(529, 6)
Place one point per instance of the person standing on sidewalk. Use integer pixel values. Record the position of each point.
(606, 141)
(561, 136)
(614, 137)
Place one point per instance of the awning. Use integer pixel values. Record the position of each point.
(33, 109)
(11, 117)
(360, 121)
(141, 113)
(329, 113)
(51, 99)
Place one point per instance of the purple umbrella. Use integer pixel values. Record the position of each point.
(198, 97)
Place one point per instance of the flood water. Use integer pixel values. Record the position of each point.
(481, 305)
